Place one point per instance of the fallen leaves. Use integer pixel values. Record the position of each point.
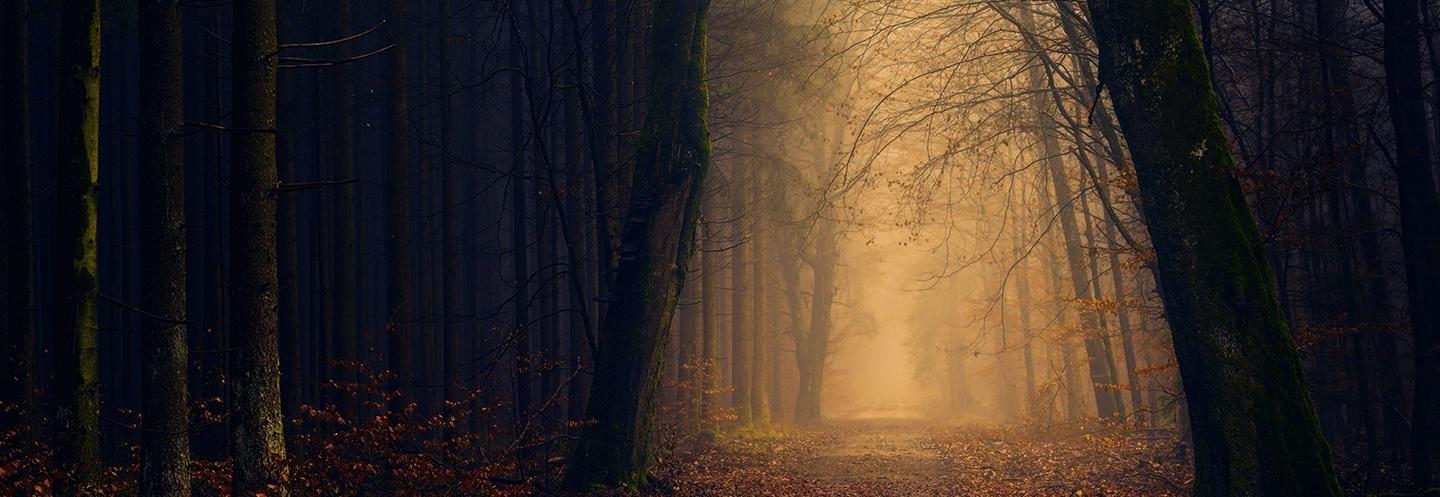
(894, 458)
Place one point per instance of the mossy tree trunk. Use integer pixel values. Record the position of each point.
(657, 243)
(258, 431)
(1255, 427)
(165, 441)
(17, 288)
(1419, 224)
(77, 396)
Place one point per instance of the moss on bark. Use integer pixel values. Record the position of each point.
(657, 243)
(76, 339)
(1255, 427)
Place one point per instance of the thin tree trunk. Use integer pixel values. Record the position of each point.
(287, 253)
(1249, 406)
(740, 347)
(519, 197)
(165, 440)
(398, 239)
(658, 242)
(77, 398)
(759, 382)
(450, 229)
(258, 440)
(347, 333)
(603, 142)
(17, 287)
(709, 368)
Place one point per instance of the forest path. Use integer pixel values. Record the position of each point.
(883, 457)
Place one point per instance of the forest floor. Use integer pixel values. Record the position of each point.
(910, 457)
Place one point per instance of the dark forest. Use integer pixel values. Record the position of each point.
(796, 248)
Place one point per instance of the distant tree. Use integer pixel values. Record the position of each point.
(17, 290)
(77, 368)
(1255, 427)
(740, 339)
(657, 243)
(1419, 225)
(398, 244)
(258, 428)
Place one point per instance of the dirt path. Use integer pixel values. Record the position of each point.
(907, 457)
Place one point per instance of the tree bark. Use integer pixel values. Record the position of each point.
(656, 246)
(77, 398)
(258, 438)
(1254, 424)
(165, 441)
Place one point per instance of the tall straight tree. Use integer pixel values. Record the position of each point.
(519, 198)
(342, 124)
(1254, 425)
(450, 219)
(17, 290)
(709, 324)
(1107, 400)
(398, 246)
(657, 242)
(258, 428)
(740, 348)
(1419, 224)
(77, 395)
(760, 357)
(165, 440)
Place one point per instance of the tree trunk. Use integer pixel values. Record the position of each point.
(258, 440)
(399, 241)
(657, 244)
(577, 187)
(813, 348)
(603, 142)
(287, 251)
(346, 330)
(709, 327)
(1254, 424)
(77, 399)
(165, 440)
(759, 398)
(740, 347)
(1419, 224)
(450, 229)
(519, 197)
(17, 288)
